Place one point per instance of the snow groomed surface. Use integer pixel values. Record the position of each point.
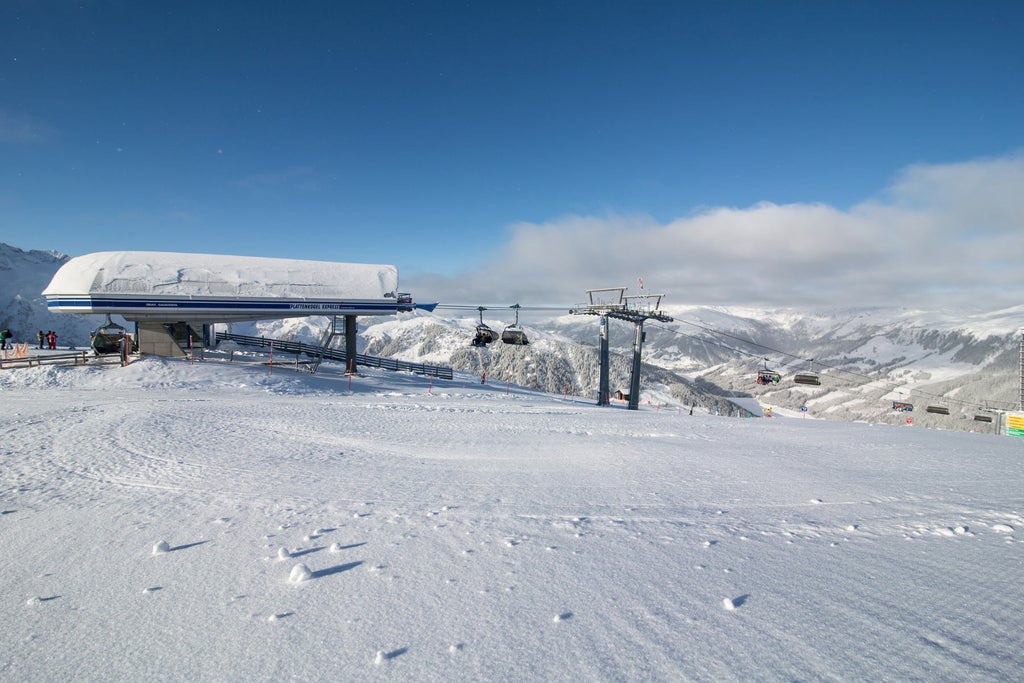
(212, 521)
(210, 287)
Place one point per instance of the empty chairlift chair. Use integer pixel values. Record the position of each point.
(513, 334)
(938, 410)
(107, 339)
(807, 377)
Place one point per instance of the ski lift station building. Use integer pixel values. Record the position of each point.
(170, 296)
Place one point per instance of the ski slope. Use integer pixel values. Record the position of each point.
(216, 522)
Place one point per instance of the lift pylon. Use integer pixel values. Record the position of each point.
(612, 302)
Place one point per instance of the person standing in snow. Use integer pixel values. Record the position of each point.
(41, 337)
(4, 336)
(51, 339)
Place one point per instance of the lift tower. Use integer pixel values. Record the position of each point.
(612, 302)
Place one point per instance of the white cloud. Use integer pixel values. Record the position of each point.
(944, 235)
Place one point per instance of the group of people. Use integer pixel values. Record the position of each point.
(49, 339)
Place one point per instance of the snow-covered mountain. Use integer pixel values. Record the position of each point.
(709, 356)
(865, 359)
(24, 274)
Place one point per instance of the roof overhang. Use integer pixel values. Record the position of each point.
(214, 288)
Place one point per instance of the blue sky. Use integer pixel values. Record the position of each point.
(535, 149)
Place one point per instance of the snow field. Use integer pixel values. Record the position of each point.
(211, 522)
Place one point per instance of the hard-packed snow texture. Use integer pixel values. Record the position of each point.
(211, 521)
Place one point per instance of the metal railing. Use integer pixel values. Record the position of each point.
(315, 352)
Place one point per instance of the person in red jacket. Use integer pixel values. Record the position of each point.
(51, 339)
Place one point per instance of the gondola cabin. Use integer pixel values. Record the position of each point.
(938, 410)
(807, 378)
(901, 407)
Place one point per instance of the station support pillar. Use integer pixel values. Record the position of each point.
(634, 378)
(602, 383)
(350, 342)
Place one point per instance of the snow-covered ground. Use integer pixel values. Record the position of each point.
(214, 521)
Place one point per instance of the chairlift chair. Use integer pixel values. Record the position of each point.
(807, 377)
(938, 410)
(901, 407)
(981, 417)
(766, 376)
(107, 338)
(513, 334)
(484, 335)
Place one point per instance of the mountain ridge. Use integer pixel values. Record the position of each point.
(707, 357)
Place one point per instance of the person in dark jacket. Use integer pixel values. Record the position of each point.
(41, 337)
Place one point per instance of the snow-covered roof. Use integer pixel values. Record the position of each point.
(178, 274)
(209, 287)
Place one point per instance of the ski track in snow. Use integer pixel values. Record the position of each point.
(248, 528)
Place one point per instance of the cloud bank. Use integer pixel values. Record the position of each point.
(939, 236)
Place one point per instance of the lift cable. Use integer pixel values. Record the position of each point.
(468, 307)
(833, 369)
